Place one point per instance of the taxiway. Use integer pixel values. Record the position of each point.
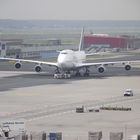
(48, 104)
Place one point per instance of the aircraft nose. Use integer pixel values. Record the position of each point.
(61, 59)
(62, 64)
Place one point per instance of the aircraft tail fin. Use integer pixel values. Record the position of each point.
(81, 40)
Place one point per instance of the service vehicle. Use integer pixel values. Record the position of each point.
(128, 92)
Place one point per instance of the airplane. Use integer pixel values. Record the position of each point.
(70, 61)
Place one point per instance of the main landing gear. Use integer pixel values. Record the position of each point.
(85, 74)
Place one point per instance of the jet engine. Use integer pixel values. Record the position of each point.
(38, 68)
(127, 67)
(101, 69)
(17, 65)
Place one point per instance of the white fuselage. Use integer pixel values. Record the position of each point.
(69, 59)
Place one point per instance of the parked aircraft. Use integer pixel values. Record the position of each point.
(69, 60)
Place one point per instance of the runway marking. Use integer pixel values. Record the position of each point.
(52, 115)
(42, 112)
(25, 94)
(72, 111)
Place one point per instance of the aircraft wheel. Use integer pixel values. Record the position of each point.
(86, 74)
(77, 74)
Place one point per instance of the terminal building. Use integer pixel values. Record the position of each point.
(18, 48)
(10, 47)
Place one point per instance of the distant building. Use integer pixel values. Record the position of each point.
(52, 42)
(18, 49)
(37, 51)
(10, 47)
(2, 49)
(106, 41)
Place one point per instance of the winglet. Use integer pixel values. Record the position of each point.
(81, 40)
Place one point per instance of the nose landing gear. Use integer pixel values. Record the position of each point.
(86, 74)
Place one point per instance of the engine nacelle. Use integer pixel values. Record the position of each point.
(17, 65)
(127, 67)
(101, 69)
(38, 68)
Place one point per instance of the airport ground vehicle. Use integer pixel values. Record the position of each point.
(128, 92)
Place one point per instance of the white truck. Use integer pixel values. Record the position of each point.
(128, 92)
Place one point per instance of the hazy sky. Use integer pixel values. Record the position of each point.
(70, 9)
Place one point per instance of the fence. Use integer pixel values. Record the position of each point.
(59, 136)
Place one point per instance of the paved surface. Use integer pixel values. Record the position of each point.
(48, 104)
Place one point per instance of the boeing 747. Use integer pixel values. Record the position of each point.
(69, 60)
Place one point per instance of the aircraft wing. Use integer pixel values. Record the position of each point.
(29, 61)
(108, 63)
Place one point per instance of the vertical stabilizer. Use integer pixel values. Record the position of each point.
(81, 40)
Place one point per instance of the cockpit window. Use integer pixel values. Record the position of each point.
(64, 53)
